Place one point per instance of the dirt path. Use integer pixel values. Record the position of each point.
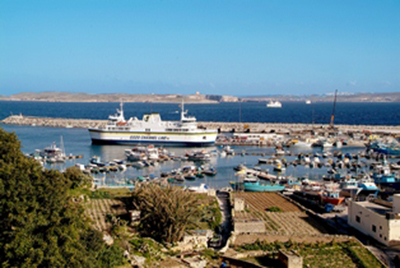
(225, 207)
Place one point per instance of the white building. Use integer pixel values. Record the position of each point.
(380, 222)
(258, 136)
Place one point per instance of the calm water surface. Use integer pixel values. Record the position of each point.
(77, 141)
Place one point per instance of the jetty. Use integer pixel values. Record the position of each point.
(223, 127)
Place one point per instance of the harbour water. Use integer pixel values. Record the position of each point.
(77, 141)
(291, 112)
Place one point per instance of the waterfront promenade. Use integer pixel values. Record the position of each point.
(222, 126)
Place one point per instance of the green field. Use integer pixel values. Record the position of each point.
(333, 255)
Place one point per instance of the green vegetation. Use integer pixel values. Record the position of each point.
(210, 254)
(210, 213)
(274, 209)
(102, 193)
(166, 212)
(347, 254)
(77, 178)
(147, 248)
(41, 224)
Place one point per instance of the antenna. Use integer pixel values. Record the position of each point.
(331, 125)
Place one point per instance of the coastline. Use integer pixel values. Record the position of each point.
(385, 97)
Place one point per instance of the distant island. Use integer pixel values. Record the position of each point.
(195, 98)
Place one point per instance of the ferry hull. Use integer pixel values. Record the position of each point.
(165, 139)
(175, 143)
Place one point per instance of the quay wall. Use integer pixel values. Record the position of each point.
(222, 126)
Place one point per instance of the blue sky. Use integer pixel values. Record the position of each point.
(214, 47)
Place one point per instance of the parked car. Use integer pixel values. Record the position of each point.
(215, 241)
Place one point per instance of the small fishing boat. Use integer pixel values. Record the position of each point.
(332, 197)
(302, 144)
(387, 149)
(179, 178)
(202, 188)
(199, 175)
(263, 160)
(96, 160)
(210, 172)
(279, 168)
(228, 150)
(240, 167)
(198, 156)
(190, 177)
(256, 186)
(348, 188)
(384, 178)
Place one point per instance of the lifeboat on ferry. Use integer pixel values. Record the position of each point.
(121, 123)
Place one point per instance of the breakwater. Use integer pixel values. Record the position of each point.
(222, 126)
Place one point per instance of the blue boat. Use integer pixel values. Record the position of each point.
(388, 149)
(256, 186)
(385, 179)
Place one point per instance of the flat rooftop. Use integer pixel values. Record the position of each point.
(379, 209)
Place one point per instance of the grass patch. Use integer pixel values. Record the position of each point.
(101, 193)
(332, 255)
(274, 209)
(210, 213)
(147, 248)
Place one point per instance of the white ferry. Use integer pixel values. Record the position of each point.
(151, 129)
(274, 104)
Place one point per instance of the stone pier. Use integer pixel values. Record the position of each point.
(222, 126)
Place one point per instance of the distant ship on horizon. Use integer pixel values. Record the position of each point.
(274, 104)
(151, 129)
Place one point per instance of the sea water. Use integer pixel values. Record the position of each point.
(77, 141)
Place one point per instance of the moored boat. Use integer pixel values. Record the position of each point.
(256, 186)
(387, 149)
(332, 197)
(202, 188)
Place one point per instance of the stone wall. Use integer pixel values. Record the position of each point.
(249, 226)
(223, 126)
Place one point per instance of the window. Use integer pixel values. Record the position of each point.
(380, 227)
(358, 219)
(373, 228)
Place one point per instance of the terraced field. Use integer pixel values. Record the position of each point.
(291, 221)
(97, 210)
(262, 201)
